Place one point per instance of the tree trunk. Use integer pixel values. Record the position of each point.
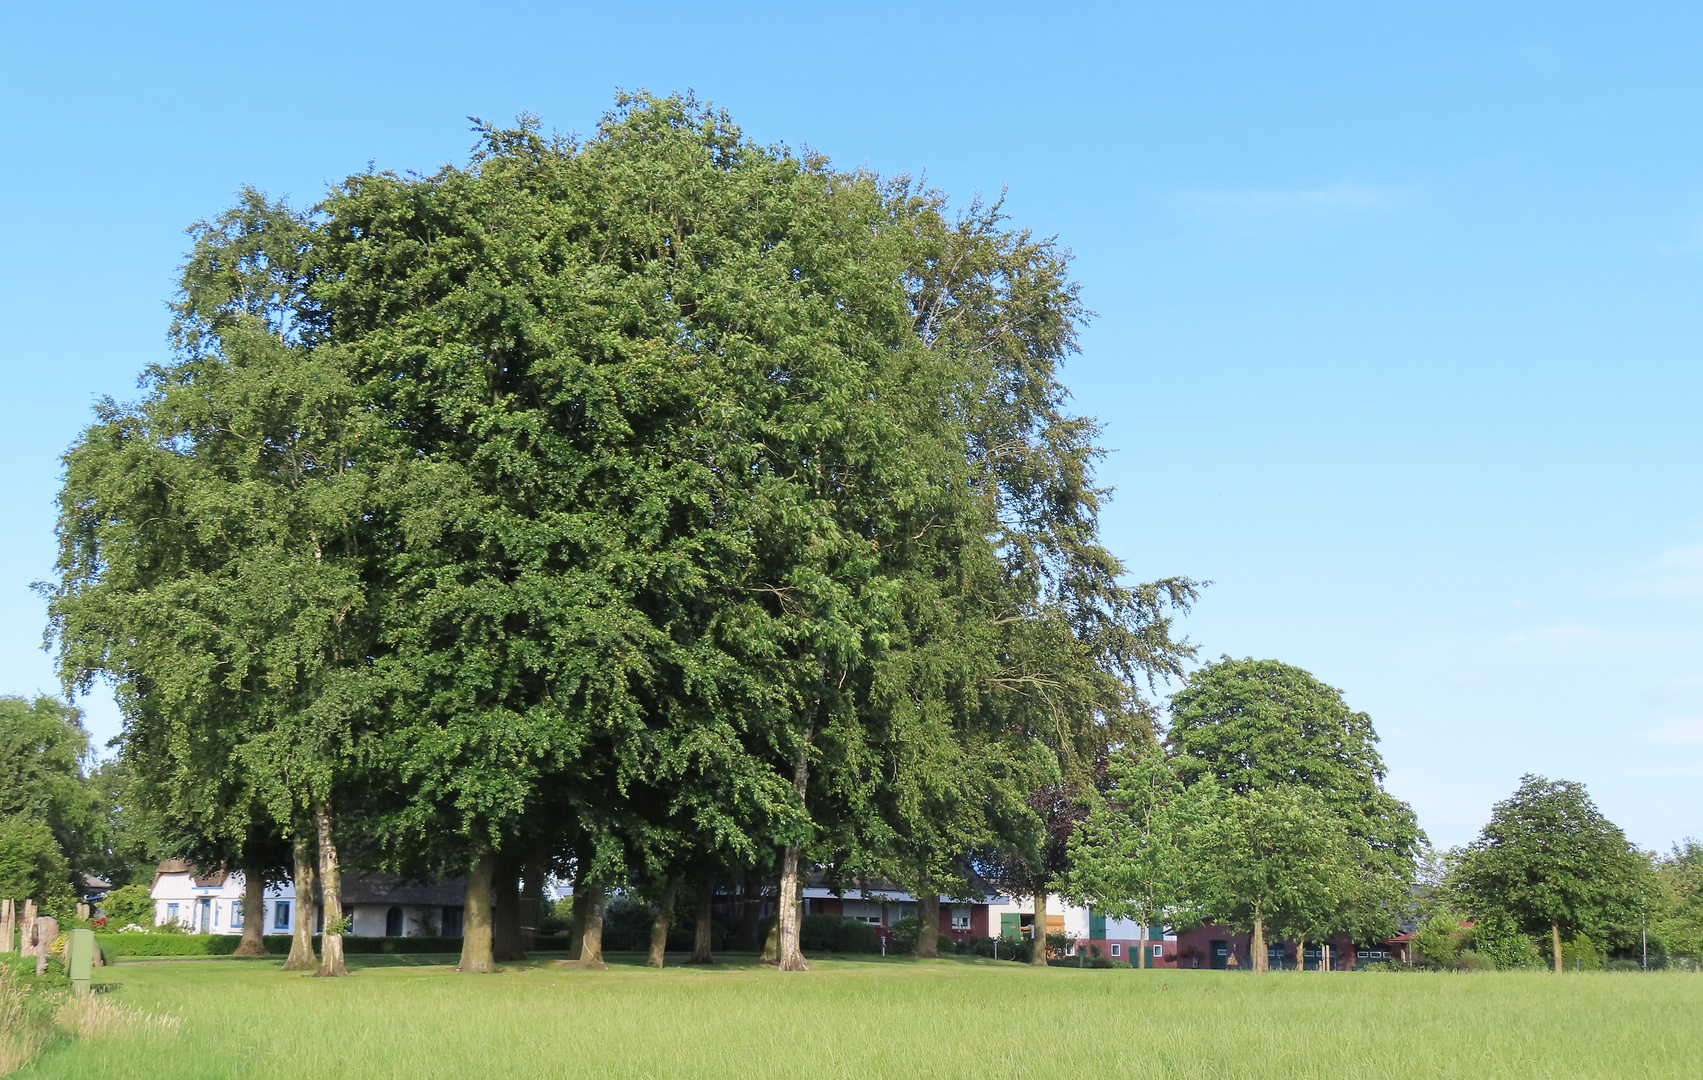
(790, 956)
(1142, 963)
(505, 912)
(1301, 955)
(477, 954)
(301, 944)
(928, 915)
(1256, 945)
(576, 933)
(659, 926)
(253, 911)
(331, 895)
(701, 953)
(591, 944)
(1039, 957)
(1555, 941)
(531, 903)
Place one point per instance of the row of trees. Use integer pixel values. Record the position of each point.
(1265, 811)
(655, 508)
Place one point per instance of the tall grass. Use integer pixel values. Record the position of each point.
(410, 1017)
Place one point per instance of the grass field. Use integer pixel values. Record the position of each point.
(872, 1018)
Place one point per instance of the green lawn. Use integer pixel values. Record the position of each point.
(872, 1019)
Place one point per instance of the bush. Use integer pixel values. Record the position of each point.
(128, 906)
(945, 944)
(902, 941)
(1103, 962)
(833, 934)
(1581, 954)
(1471, 961)
(1623, 965)
(1497, 939)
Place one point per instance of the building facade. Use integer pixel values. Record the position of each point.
(377, 905)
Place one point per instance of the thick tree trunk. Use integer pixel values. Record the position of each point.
(1039, 959)
(505, 913)
(301, 944)
(1301, 955)
(659, 926)
(576, 932)
(1257, 945)
(790, 957)
(477, 954)
(531, 903)
(591, 943)
(331, 895)
(253, 910)
(928, 915)
(1555, 942)
(701, 952)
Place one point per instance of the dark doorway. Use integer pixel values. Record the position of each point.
(1220, 952)
(393, 922)
(451, 921)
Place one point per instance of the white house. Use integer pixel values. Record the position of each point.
(378, 906)
(212, 903)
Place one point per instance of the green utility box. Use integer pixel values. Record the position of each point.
(80, 958)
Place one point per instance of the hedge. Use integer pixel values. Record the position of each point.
(114, 945)
(833, 934)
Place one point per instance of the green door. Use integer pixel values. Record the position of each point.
(1096, 926)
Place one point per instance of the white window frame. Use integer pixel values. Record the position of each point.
(1117, 950)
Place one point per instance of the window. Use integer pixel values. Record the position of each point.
(960, 918)
(281, 915)
(1117, 950)
(236, 914)
(215, 914)
(1158, 952)
(171, 913)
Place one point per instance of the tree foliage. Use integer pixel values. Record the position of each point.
(1551, 861)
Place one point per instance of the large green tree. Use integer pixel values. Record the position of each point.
(1260, 724)
(44, 766)
(1550, 860)
(211, 558)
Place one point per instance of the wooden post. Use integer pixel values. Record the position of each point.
(8, 926)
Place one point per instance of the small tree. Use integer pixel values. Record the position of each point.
(1676, 916)
(1551, 861)
(1271, 857)
(1126, 859)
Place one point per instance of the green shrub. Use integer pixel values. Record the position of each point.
(902, 941)
(1496, 938)
(1623, 965)
(157, 944)
(945, 944)
(1471, 961)
(832, 933)
(1103, 962)
(1581, 954)
(129, 905)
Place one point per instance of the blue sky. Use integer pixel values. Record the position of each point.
(1398, 305)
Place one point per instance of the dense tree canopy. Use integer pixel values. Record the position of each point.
(637, 503)
(1549, 859)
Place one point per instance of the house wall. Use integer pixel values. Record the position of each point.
(179, 893)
